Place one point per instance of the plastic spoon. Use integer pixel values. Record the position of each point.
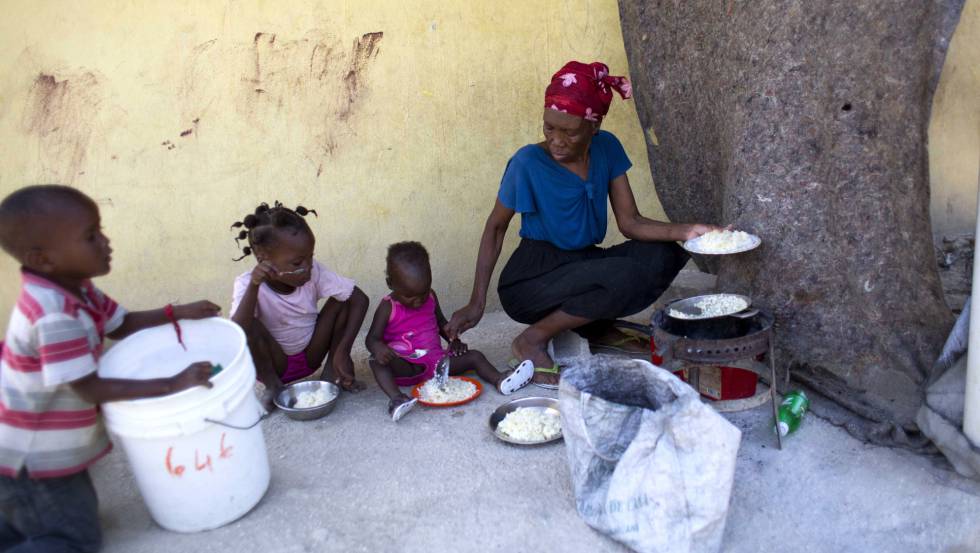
(442, 372)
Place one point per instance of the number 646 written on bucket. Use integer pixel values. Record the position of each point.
(201, 462)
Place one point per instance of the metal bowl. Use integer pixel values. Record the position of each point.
(288, 396)
(542, 403)
(689, 307)
(694, 246)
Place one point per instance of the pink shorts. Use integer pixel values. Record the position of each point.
(296, 368)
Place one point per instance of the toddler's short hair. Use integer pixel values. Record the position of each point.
(412, 254)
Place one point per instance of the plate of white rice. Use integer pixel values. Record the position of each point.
(527, 421)
(457, 391)
(308, 399)
(708, 306)
(723, 242)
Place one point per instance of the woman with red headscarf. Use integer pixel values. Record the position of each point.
(558, 279)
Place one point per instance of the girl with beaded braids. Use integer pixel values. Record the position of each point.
(276, 303)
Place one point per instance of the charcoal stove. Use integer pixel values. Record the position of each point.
(739, 342)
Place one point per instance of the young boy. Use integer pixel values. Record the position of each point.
(50, 429)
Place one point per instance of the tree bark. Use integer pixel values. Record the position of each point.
(805, 123)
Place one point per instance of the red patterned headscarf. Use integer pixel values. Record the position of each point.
(584, 90)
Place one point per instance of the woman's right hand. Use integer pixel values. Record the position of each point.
(463, 319)
(263, 272)
(695, 230)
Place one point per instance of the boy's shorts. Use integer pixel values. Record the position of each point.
(49, 514)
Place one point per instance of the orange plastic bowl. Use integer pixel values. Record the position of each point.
(418, 395)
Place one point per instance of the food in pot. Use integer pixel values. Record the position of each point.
(715, 305)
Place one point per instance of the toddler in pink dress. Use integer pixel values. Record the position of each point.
(413, 334)
(405, 339)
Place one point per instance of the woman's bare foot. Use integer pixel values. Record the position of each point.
(529, 346)
(615, 339)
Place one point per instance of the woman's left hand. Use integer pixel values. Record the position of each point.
(457, 348)
(197, 310)
(695, 230)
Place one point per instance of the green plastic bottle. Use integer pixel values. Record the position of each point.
(791, 412)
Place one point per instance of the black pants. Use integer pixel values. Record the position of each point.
(593, 283)
(49, 515)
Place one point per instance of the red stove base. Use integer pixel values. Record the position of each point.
(724, 383)
(717, 382)
(721, 360)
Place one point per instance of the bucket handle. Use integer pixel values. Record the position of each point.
(262, 417)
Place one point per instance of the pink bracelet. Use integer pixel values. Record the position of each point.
(168, 310)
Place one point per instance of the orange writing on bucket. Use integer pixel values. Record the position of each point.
(178, 470)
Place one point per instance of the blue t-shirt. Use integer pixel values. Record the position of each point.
(556, 204)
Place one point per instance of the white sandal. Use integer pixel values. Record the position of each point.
(402, 409)
(517, 379)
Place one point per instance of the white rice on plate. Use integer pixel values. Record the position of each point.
(714, 306)
(531, 424)
(305, 400)
(722, 241)
(456, 389)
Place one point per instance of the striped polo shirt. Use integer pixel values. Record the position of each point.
(53, 338)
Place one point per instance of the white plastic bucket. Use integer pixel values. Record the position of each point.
(198, 455)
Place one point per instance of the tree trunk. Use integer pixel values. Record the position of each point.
(805, 123)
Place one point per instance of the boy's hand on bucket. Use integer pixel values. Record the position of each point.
(197, 310)
(196, 374)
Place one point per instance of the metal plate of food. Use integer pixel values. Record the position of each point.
(308, 399)
(724, 242)
(708, 306)
(451, 395)
(530, 420)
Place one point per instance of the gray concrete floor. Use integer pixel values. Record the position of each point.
(439, 481)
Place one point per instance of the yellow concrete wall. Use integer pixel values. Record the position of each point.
(179, 117)
(393, 118)
(954, 132)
